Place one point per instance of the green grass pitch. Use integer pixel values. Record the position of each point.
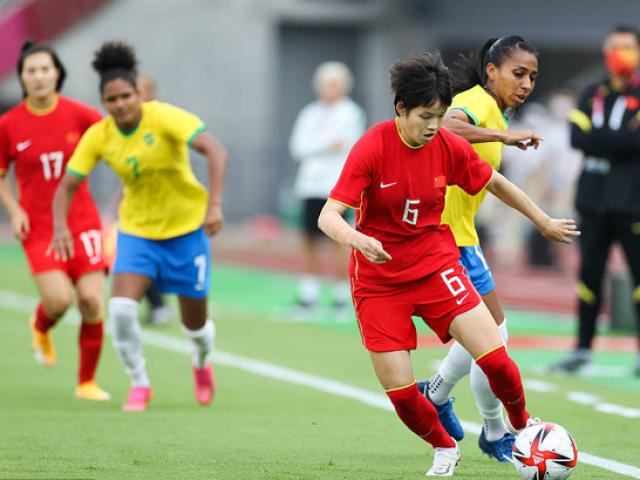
(259, 427)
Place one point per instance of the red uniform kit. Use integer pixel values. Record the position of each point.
(398, 193)
(40, 144)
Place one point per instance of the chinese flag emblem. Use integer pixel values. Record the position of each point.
(439, 182)
(73, 137)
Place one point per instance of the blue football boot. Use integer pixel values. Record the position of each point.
(446, 414)
(501, 450)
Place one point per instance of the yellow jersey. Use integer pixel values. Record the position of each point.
(460, 208)
(162, 197)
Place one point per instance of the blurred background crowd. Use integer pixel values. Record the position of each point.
(246, 67)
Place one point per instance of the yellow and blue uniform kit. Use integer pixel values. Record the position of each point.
(460, 207)
(163, 206)
(162, 197)
(180, 265)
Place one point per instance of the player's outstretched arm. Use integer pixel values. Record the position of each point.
(458, 122)
(216, 156)
(19, 218)
(62, 243)
(557, 229)
(336, 228)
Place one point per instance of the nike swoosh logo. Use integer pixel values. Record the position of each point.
(460, 300)
(387, 185)
(23, 145)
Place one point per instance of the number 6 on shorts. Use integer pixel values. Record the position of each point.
(453, 283)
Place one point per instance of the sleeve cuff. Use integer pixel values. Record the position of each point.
(198, 131)
(468, 113)
(343, 203)
(76, 173)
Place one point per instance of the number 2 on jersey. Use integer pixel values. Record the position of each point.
(52, 164)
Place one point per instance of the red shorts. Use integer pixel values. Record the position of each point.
(385, 319)
(87, 255)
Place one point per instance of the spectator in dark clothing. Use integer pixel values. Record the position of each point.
(606, 127)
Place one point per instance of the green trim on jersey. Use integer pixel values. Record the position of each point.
(468, 113)
(130, 132)
(76, 174)
(198, 131)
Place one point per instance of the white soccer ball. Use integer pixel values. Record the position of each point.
(544, 451)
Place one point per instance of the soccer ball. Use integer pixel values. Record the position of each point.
(544, 451)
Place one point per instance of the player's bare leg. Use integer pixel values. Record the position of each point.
(395, 374)
(201, 331)
(477, 332)
(56, 295)
(495, 439)
(90, 292)
(458, 361)
(126, 291)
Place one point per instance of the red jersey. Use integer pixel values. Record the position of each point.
(40, 145)
(398, 193)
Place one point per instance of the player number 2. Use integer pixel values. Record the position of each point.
(52, 164)
(410, 214)
(453, 282)
(201, 262)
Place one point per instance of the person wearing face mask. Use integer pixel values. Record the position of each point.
(406, 262)
(322, 136)
(606, 127)
(165, 218)
(38, 137)
(496, 80)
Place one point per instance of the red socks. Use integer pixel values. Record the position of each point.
(90, 343)
(506, 384)
(43, 321)
(420, 416)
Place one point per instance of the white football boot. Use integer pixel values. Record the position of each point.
(445, 460)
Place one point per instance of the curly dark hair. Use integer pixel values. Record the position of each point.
(421, 80)
(115, 60)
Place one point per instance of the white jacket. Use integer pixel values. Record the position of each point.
(317, 127)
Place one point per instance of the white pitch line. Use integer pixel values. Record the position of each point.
(24, 304)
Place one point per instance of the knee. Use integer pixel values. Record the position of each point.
(56, 306)
(90, 305)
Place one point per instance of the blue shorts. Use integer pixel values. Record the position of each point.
(180, 265)
(472, 259)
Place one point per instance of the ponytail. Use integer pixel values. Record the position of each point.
(471, 69)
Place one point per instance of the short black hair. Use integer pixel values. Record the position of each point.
(29, 47)
(115, 60)
(421, 79)
(626, 29)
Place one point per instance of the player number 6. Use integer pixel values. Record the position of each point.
(453, 283)
(410, 214)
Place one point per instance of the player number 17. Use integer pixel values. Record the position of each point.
(52, 164)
